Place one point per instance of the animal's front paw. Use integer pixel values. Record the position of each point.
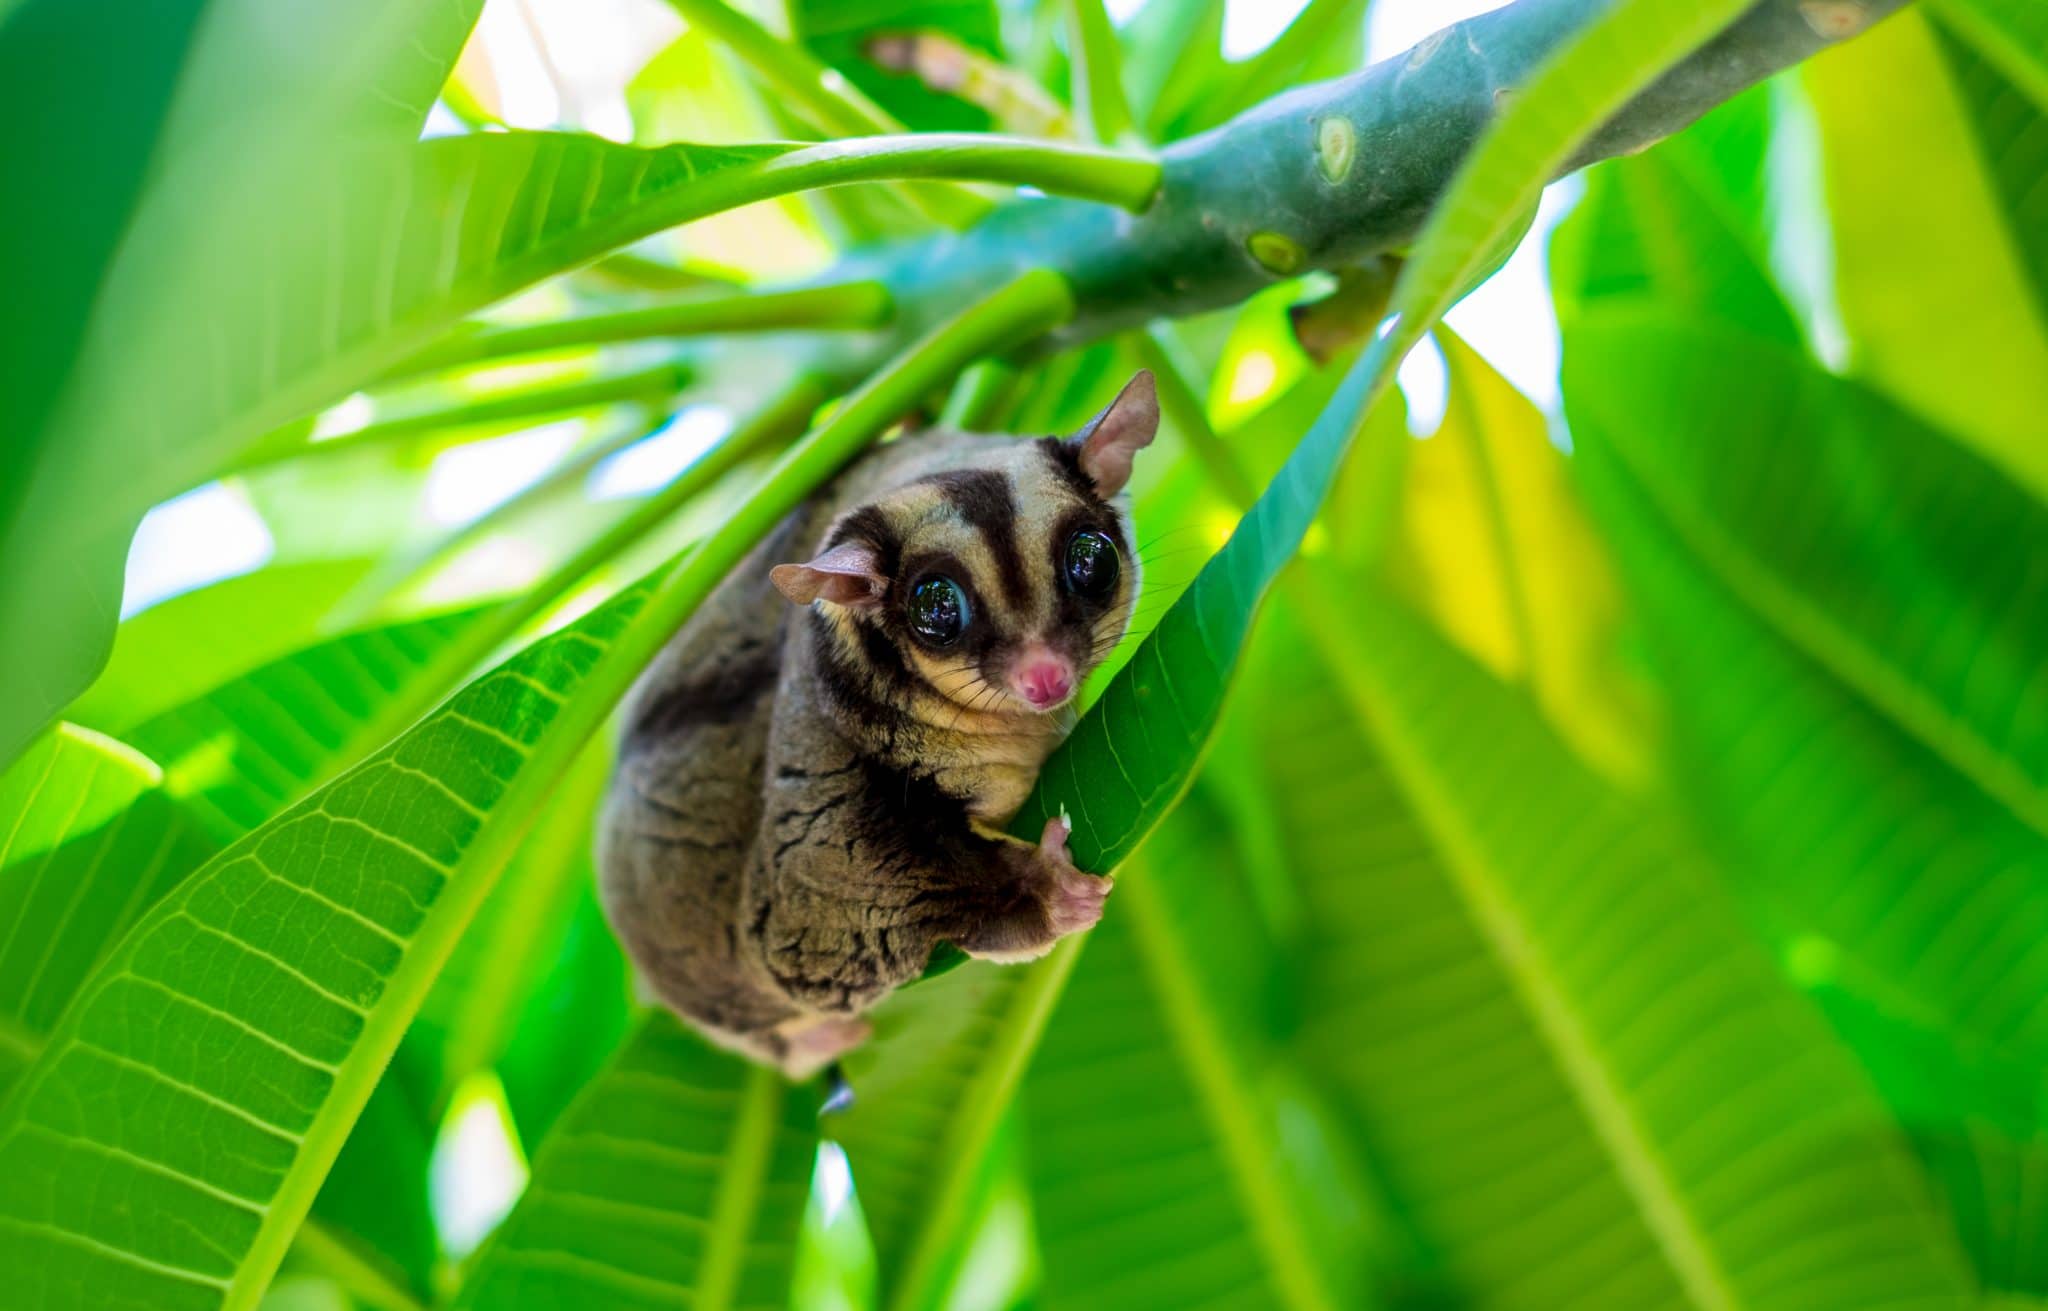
(1073, 900)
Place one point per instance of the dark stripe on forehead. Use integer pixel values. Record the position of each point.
(1065, 459)
(985, 501)
(868, 524)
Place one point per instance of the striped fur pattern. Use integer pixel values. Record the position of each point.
(811, 790)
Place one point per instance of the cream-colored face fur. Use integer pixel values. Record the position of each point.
(1000, 528)
(994, 576)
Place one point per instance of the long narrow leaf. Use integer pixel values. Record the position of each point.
(406, 244)
(1658, 1008)
(279, 979)
(677, 1179)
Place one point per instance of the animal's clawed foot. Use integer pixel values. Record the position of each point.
(811, 1044)
(1074, 900)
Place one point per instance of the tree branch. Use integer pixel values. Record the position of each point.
(1323, 176)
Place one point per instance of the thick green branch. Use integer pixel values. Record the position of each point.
(1322, 176)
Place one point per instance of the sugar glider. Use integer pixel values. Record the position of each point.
(814, 775)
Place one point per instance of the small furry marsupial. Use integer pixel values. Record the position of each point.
(814, 775)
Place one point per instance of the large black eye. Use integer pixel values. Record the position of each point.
(1091, 565)
(938, 611)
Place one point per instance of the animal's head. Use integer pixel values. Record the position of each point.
(998, 583)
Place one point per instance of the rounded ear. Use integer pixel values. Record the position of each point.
(848, 574)
(1115, 436)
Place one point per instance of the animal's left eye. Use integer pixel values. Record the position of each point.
(1091, 564)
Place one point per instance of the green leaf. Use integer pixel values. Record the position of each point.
(278, 980)
(1892, 557)
(411, 241)
(1497, 550)
(1618, 950)
(572, 1020)
(1957, 335)
(97, 839)
(1098, 71)
(1833, 808)
(502, 964)
(1131, 755)
(677, 1178)
(2011, 132)
(91, 840)
(1683, 223)
(2011, 33)
(1976, 1119)
(1159, 1162)
(173, 652)
(933, 1085)
(243, 751)
(1912, 900)
(201, 96)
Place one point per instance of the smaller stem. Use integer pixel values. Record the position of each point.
(848, 305)
(784, 415)
(653, 384)
(1129, 181)
(367, 595)
(983, 395)
(821, 94)
(623, 268)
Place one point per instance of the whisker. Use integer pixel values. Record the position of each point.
(1180, 531)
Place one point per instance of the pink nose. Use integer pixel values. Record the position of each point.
(1044, 680)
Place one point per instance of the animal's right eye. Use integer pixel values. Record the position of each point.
(938, 611)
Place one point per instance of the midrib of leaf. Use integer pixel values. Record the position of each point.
(1522, 961)
(1030, 303)
(578, 718)
(1248, 1151)
(638, 623)
(536, 903)
(739, 1190)
(1809, 629)
(314, 1238)
(972, 1126)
